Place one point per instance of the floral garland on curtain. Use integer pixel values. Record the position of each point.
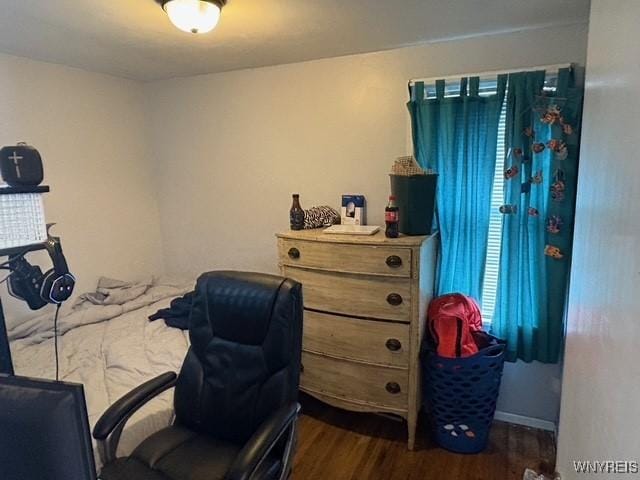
(540, 187)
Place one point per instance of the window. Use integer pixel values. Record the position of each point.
(492, 266)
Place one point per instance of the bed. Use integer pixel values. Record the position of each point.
(107, 343)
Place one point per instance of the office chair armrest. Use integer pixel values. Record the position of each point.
(262, 442)
(109, 427)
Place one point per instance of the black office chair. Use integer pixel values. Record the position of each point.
(235, 398)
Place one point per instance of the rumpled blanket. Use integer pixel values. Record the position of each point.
(112, 292)
(111, 299)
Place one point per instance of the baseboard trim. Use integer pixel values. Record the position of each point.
(526, 421)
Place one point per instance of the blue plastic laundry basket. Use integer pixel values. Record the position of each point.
(461, 395)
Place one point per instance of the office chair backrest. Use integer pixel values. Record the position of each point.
(244, 360)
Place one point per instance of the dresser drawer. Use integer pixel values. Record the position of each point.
(351, 338)
(377, 260)
(354, 381)
(360, 295)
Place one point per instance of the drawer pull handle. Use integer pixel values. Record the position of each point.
(393, 387)
(294, 253)
(393, 344)
(394, 299)
(302, 368)
(394, 261)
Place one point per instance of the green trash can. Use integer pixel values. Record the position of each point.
(416, 199)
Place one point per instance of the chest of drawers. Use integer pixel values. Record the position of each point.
(365, 300)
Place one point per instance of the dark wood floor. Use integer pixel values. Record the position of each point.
(336, 445)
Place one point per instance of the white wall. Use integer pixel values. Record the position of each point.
(232, 147)
(89, 129)
(601, 383)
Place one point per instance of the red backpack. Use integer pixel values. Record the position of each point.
(452, 321)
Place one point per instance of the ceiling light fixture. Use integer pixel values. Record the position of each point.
(193, 16)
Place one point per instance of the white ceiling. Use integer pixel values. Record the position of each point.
(133, 38)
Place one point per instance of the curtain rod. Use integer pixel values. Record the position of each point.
(430, 80)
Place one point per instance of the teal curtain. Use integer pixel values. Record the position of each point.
(540, 182)
(457, 137)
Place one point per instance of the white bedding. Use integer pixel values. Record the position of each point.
(110, 349)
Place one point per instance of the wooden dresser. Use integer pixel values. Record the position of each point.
(365, 300)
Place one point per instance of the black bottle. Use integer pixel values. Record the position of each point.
(296, 214)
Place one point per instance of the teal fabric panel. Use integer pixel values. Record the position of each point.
(540, 180)
(457, 137)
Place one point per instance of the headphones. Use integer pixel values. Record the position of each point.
(28, 283)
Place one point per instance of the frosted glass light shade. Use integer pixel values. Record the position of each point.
(22, 220)
(193, 16)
